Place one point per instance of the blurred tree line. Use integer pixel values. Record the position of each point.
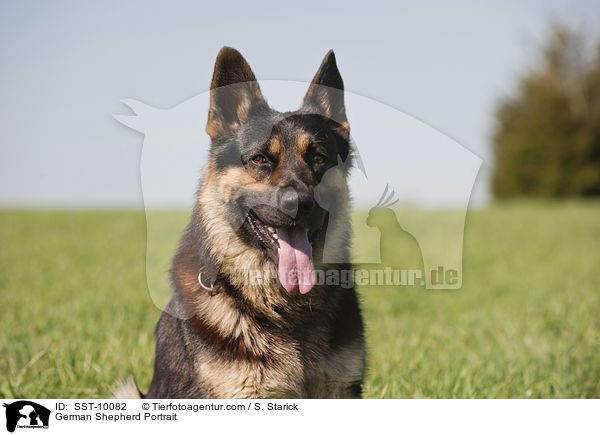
(547, 139)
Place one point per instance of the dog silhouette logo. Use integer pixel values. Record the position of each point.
(26, 414)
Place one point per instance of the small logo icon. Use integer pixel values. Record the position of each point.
(26, 414)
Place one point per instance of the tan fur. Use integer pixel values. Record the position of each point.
(248, 267)
(243, 93)
(276, 147)
(280, 368)
(222, 377)
(290, 374)
(235, 178)
(127, 390)
(303, 140)
(214, 128)
(245, 339)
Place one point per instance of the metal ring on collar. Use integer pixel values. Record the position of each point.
(208, 289)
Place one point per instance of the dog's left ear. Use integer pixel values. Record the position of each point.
(233, 93)
(325, 95)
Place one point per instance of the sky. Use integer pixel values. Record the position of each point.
(66, 66)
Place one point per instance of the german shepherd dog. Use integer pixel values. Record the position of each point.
(255, 322)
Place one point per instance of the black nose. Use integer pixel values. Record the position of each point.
(292, 202)
(289, 201)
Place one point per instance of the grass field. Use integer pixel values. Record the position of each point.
(76, 315)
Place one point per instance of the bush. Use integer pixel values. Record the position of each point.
(547, 141)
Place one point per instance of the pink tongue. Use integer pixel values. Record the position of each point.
(296, 268)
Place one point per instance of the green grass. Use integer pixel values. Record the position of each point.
(76, 315)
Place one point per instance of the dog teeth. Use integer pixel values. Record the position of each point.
(271, 229)
(275, 236)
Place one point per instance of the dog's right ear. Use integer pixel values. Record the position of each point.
(233, 93)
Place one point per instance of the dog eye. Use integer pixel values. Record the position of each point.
(318, 159)
(259, 159)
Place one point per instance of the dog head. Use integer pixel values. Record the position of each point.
(271, 166)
